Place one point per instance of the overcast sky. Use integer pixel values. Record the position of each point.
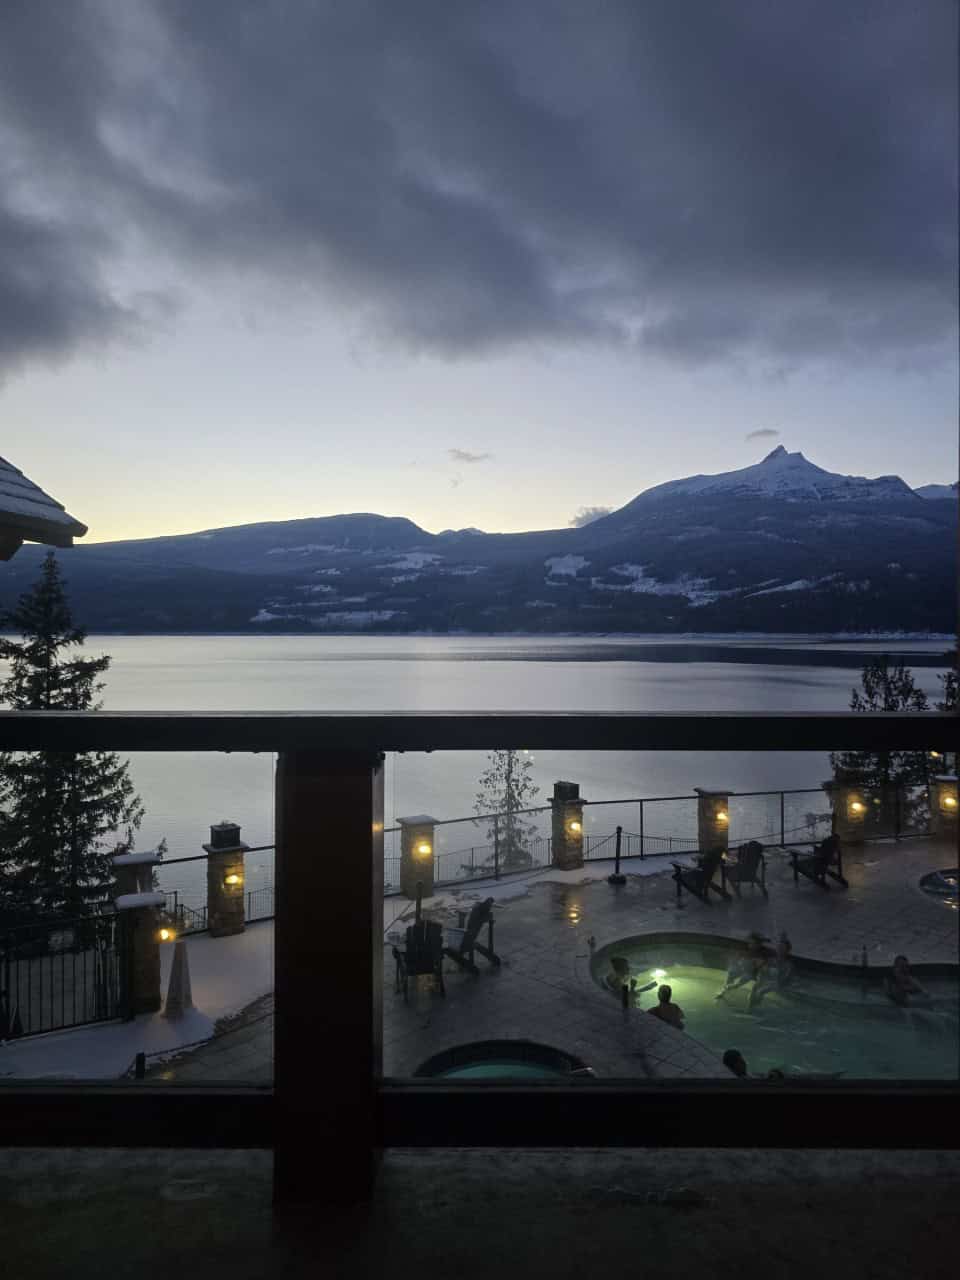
(489, 264)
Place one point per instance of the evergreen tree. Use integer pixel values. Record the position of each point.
(949, 702)
(506, 788)
(57, 808)
(889, 777)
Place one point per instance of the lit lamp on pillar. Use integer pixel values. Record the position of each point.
(849, 806)
(225, 914)
(416, 854)
(166, 933)
(944, 806)
(713, 819)
(567, 825)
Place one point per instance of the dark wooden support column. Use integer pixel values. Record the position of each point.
(328, 1037)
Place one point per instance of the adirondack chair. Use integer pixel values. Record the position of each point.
(422, 954)
(462, 953)
(817, 865)
(699, 880)
(749, 868)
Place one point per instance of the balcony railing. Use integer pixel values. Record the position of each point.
(330, 1109)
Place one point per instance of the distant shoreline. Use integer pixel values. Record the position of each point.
(656, 637)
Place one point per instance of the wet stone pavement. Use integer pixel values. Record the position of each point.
(544, 990)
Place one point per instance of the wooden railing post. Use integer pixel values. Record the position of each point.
(328, 950)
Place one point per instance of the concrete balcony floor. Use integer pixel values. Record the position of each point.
(567, 1215)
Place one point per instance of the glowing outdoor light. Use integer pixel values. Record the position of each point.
(659, 973)
(167, 935)
(232, 879)
(574, 826)
(949, 802)
(424, 848)
(856, 806)
(722, 816)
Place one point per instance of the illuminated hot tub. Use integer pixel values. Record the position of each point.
(502, 1060)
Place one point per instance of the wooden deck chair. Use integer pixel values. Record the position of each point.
(817, 866)
(462, 954)
(699, 880)
(422, 954)
(749, 868)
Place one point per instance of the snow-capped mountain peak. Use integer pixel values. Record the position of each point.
(788, 476)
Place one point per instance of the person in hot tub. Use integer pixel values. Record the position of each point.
(746, 968)
(665, 1009)
(901, 986)
(619, 974)
(773, 974)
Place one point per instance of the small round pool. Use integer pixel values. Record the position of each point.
(501, 1060)
(941, 884)
(830, 1019)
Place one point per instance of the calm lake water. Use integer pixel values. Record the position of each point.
(185, 792)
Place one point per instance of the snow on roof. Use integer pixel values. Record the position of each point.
(136, 859)
(31, 514)
(130, 901)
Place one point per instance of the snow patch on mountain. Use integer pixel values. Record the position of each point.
(304, 549)
(798, 584)
(696, 590)
(356, 617)
(413, 560)
(788, 476)
(265, 615)
(565, 566)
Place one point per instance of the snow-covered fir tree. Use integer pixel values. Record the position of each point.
(507, 788)
(59, 810)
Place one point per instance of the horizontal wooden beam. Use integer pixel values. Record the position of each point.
(696, 1113)
(472, 731)
(905, 1115)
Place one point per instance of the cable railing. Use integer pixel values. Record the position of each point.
(468, 849)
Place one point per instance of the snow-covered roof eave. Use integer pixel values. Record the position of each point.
(27, 514)
(133, 901)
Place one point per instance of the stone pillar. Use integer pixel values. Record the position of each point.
(713, 819)
(134, 872)
(943, 806)
(142, 930)
(848, 802)
(225, 880)
(567, 826)
(416, 854)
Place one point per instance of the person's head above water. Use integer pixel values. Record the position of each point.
(734, 1061)
(901, 962)
(665, 994)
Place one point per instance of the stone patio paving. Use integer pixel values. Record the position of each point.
(544, 990)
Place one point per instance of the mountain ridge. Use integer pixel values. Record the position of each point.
(773, 547)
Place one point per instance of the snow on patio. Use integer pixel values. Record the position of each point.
(226, 975)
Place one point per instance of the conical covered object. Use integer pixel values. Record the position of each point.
(179, 997)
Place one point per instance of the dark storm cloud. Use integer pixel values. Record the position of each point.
(696, 180)
(762, 433)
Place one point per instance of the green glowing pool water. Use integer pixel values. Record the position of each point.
(822, 1023)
